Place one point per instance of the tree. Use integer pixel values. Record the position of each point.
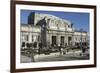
(30, 50)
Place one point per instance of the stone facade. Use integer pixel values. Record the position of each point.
(51, 31)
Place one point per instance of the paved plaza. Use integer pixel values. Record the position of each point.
(73, 55)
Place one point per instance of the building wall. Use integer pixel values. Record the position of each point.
(55, 27)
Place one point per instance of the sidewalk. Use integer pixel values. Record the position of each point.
(25, 59)
(71, 55)
(55, 55)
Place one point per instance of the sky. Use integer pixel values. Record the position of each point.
(80, 20)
